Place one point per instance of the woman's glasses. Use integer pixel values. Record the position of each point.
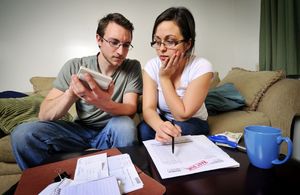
(169, 44)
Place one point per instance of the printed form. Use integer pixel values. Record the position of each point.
(193, 154)
(124, 170)
(91, 168)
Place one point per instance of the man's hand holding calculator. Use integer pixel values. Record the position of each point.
(102, 80)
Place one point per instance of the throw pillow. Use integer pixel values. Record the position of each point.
(252, 84)
(14, 111)
(12, 94)
(223, 98)
(42, 85)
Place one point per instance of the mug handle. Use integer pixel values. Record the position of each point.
(280, 139)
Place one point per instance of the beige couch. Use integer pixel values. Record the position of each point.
(270, 98)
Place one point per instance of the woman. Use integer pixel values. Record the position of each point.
(175, 83)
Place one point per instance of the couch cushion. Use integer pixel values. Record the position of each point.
(252, 84)
(42, 85)
(9, 168)
(6, 154)
(235, 121)
(7, 181)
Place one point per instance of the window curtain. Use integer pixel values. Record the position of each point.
(279, 44)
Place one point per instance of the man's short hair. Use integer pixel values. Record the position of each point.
(118, 19)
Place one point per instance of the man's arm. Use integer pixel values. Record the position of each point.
(56, 104)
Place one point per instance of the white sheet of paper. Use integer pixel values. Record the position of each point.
(55, 188)
(104, 186)
(91, 168)
(123, 169)
(189, 157)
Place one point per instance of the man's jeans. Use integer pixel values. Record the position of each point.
(34, 142)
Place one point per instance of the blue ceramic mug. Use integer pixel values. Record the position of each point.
(263, 146)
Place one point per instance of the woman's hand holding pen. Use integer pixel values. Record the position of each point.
(166, 131)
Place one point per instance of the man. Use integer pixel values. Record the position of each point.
(103, 115)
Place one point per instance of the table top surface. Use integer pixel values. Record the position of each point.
(245, 179)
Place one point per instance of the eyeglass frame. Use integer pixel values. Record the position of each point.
(152, 43)
(124, 45)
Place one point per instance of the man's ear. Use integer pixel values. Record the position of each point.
(99, 39)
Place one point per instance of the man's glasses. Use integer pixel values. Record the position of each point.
(115, 43)
(169, 44)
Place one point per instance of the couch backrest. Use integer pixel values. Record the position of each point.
(42, 85)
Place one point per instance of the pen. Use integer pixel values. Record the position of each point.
(172, 145)
(173, 139)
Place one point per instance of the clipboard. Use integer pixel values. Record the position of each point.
(34, 180)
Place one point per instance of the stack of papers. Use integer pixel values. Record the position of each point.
(99, 174)
(195, 154)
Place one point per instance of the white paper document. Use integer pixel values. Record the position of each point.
(123, 169)
(91, 168)
(104, 186)
(198, 154)
(55, 188)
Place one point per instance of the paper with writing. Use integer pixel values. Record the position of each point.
(123, 169)
(104, 186)
(195, 156)
(91, 168)
(55, 188)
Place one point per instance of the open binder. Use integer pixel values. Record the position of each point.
(34, 180)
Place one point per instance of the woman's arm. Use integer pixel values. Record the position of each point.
(164, 129)
(185, 108)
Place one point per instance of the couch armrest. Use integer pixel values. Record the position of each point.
(281, 103)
